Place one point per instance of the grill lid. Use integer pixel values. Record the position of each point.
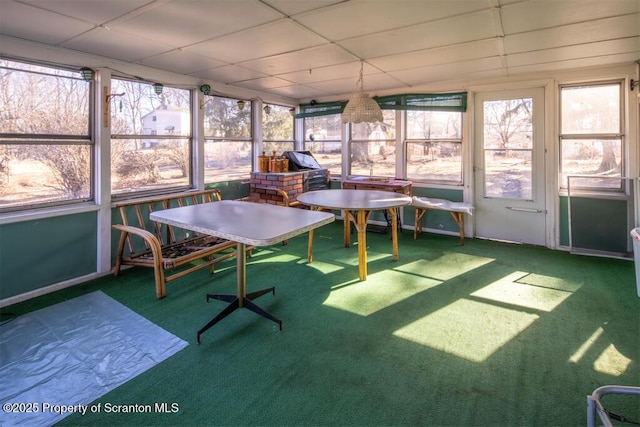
(301, 160)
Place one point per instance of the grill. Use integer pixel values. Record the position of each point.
(314, 177)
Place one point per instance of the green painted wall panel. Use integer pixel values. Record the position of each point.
(39, 253)
(597, 224)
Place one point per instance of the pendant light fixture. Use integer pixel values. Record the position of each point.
(360, 107)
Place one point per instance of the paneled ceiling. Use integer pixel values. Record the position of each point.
(306, 49)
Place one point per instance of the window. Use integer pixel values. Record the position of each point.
(277, 129)
(591, 138)
(46, 150)
(145, 156)
(434, 146)
(372, 147)
(227, 139)
(323, 137)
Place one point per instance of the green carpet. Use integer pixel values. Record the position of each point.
(482, 334)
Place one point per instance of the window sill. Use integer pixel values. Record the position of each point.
(35, 214)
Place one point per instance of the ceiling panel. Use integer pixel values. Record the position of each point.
(313, 48)
(301, 60)
(597, 61)
(445, 72)
(584, 32)
(334, 72)
(528, 16)
(452, 31)
(355, 18)
(187, 22)
(115, 44)
(228, 74)
(181, 61)
(263, 84)
(95, 12)
(39, 28)
(295, 7)
(457, 53)
(259, 42)
(581, 51)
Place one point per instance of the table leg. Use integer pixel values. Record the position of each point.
(361, 226)
(348, 216)
(394, 232)
(241, 299)
(310, 247)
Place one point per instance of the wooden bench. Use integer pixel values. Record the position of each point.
(456, 209)
(145, 243)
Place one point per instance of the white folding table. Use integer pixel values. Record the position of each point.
(254, 224)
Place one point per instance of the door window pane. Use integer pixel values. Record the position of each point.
(508, 148)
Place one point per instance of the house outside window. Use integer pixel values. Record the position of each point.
(46, 149)
(146, 158)
(591, 135)
(228, 139)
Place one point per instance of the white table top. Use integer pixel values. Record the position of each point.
(354, 199)
(258, 224)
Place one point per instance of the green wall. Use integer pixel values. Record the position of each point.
(39, 253)
(598, 224)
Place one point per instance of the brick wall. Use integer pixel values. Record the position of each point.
(262, 184)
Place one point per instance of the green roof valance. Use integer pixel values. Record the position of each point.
(320, 109)
(416, 101)
(424, 102)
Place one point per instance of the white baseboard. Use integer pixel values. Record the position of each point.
(51, 288)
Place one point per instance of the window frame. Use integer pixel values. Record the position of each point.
(187, 137)
(620, 135)
(225, 139)
(435, 141)
(11, 139)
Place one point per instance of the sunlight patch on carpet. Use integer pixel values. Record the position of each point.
(511, 290)
(469, 329)
(379, 291)
(69, 354)
(446, 267)
(549, 282)
(612, 362)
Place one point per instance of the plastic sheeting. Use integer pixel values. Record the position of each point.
(59, 359)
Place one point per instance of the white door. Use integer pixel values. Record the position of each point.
(509, 166)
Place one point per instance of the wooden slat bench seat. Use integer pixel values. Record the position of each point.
(146, 243)
(456, 209)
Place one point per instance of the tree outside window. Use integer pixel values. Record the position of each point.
(277, 129)
(373, 147)
(227, 138)
(45, 144)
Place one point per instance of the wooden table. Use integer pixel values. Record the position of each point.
(362, 202)
(377, 183)
(256, 224)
